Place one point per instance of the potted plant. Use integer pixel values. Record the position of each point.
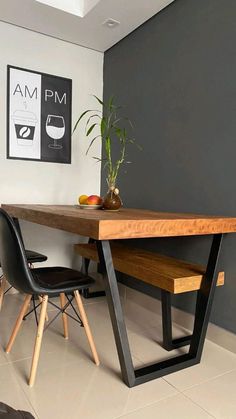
(113, 128)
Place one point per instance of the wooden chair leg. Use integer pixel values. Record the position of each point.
(2, 290)
(17, 326)
(38, 341)
(64, 316)
(86, 327)
(46, 315)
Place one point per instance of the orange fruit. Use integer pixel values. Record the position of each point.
(83, 199)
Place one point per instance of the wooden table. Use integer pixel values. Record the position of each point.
(133, 223)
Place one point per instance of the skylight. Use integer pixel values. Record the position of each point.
(75, 7)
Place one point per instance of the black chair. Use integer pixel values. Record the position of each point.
(31, 256)
(40, 282)
(7, 412)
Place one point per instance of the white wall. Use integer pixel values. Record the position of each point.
(46, 183)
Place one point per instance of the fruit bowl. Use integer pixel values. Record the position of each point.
(91, 202)
(89, 207)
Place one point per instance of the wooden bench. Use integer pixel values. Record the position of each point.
(167, 273)
(146, 272)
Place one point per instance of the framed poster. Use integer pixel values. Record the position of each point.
(39, 116)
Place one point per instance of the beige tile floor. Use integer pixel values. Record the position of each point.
(70, 386)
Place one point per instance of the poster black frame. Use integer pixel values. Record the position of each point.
(9, 66)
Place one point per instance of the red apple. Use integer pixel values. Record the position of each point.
(94, 200)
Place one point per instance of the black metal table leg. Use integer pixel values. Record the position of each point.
(116, 314)
(205, 298)
(84, 269)
(168, 342)
(131, 376)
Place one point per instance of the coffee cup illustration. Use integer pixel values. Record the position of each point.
(25, 123)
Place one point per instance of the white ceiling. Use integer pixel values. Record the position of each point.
(88, 31)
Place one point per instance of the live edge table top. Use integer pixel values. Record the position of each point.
(124, 224)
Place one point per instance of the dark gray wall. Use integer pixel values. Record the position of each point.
(176, 75)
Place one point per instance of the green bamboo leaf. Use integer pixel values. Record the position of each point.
(98, 159)
(113, 128)
(130, 123)
(118, 132)
(108, 146)
(115, 122)
(103, 126)
(90, 129)
(105, 165)
(90, 118)
(117, 107)
(91, 143)
(99, 100)
(81, 116)
(110, 102)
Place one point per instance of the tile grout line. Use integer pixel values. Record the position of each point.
(25, 394)
(178, 392)
(203, 382)
(29, 401)
(144, 407)
(210, 414)
(165, 398)
(22, 389)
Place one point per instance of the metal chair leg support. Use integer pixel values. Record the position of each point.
(31, 311)
(35, 310)
(62, 310)
(8, 289)
(74, 309)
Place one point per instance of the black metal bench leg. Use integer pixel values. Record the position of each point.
(85, 265)
(131, 376)
(166, 320)
(168, 342)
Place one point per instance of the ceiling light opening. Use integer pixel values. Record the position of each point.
(75, 7)
(111, 23)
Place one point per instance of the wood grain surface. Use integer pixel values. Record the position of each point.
(170, 274)
(126, 223)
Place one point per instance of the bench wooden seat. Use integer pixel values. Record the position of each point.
(170, 274)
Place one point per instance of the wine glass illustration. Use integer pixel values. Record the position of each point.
(55, 128)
